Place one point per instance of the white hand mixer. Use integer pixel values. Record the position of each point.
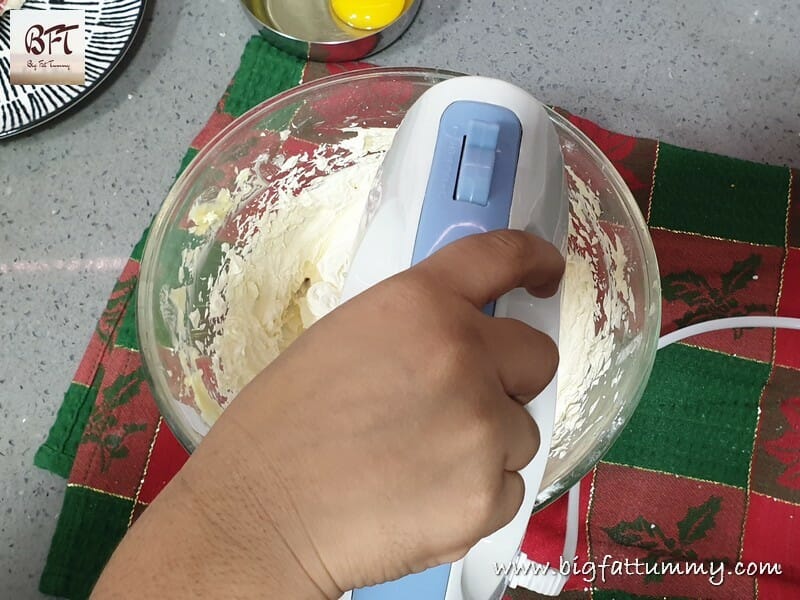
(472, 155)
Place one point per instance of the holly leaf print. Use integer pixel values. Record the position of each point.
(686, 286)
(115, 308)
(708, 302)
(787, 448)
(749, 309)
(639, 533)
(120, 452)
(112, 441)
(129, 428)
(654, 575)
(104, 429)
(702, 313)
(698, 521)
(740, 274)
(123, 390)
(790, 478)
(791, 411)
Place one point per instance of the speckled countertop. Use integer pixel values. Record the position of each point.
(718, 75)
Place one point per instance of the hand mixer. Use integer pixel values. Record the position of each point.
(472, 155)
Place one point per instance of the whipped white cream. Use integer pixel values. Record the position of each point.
(288, 274)
(287, 268)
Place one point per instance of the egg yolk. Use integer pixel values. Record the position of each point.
(367, 14)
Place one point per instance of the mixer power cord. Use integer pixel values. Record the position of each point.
(729, 323)
(549, 581)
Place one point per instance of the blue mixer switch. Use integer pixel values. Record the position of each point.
(471, 182)
(477, 162)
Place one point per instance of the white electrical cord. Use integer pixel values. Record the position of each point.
(544, 579)
(729, 323)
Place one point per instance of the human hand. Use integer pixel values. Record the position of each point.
(388, 437)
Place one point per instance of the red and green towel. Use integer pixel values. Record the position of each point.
(708, 469)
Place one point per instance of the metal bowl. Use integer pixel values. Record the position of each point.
(310, 30)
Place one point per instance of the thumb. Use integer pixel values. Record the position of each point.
(483, 267)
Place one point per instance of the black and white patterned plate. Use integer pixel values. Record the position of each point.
(111, 26)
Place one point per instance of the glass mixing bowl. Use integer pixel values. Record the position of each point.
(181, 257)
